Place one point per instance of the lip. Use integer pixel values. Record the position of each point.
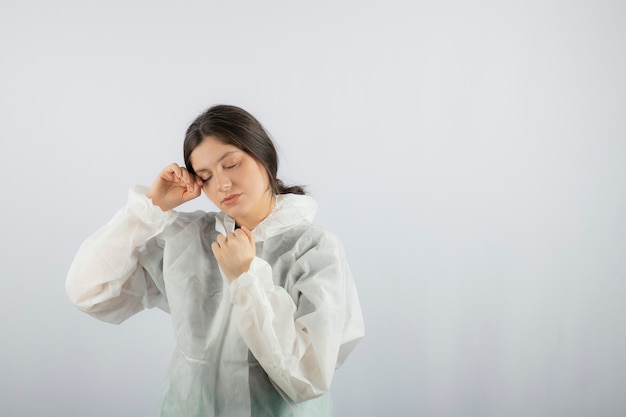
(230, 199)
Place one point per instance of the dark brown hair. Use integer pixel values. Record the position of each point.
(235, 126)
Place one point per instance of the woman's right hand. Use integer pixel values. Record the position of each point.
(173, 187)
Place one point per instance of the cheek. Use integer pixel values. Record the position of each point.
(262, 177)
(258, 183)
(208, 192)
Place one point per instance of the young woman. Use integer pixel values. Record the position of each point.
(262, 301)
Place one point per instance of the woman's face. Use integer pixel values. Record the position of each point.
(234, 181)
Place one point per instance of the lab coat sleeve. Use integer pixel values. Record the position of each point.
(300, 343)
(105, 278)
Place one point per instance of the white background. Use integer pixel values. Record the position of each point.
(470, 155)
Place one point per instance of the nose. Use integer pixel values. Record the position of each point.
(223, 183)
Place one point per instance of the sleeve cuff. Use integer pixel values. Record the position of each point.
(141, 206)
(257, 279)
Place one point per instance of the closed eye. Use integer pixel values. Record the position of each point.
(232, 166)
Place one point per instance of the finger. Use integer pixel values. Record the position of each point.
(197, 189)
(173, 173)
(221, 240)
(187, 182)
(215, 247)
(233, 236)
(174, 169)
(241, 236)
(248, 234)
(191, 192)
(195, 179)
(187, 178)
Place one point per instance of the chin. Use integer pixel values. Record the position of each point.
(233, 212)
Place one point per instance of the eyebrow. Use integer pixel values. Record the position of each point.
(220, 159)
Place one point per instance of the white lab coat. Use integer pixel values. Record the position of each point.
(266, 344)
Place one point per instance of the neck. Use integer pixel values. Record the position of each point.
(252, 221)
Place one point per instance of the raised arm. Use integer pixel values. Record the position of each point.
(105, 278)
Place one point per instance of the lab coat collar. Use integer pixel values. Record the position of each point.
(289, 210)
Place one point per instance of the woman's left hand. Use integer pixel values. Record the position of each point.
(234, 252)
